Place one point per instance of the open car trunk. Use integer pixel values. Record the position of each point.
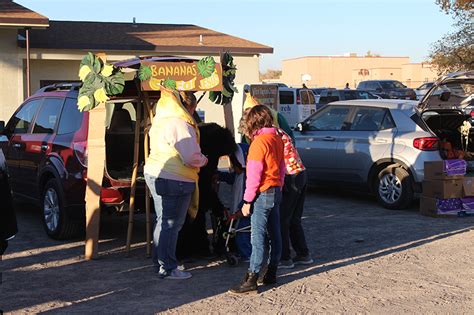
(120, 139)
(446, 125)
(445, 108)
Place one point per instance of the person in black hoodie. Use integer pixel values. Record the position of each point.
(8, 227)
(215, 142)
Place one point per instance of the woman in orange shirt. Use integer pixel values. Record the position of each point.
(265, 176)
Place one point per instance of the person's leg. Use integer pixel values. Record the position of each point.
(258, 221)
(274, 232)
(298, 240)
(151, 183)
(287, 207)
(176, 197)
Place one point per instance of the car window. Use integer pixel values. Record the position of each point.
(392, 85)
(287, 97)
(48, 115)
(372, 85)
(22, 120)
(307, 97)
(362, 85)
(120, 115)
(71, 117)
(365, 95)
(350, 94)
(330, 118)
(371, 119)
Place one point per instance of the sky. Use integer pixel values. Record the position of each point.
(294, 28)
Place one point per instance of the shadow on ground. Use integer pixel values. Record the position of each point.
(342, 228)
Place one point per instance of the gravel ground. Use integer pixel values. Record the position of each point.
(367, 260)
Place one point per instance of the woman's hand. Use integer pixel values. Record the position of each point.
(246, 209)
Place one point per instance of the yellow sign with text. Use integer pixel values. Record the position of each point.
(184, 75)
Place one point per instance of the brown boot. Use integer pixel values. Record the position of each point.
(268, 275)
(248, 284)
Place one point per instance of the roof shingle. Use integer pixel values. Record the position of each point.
(13, 14)
(140, 36)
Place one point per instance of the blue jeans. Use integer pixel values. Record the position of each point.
(172, 199)
(265, 218)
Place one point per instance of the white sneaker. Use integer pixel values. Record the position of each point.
(177, 274)
(181, 267)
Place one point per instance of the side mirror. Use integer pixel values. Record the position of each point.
(2, 127)
(300, 127)
(444, 96)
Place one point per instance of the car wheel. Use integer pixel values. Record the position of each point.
(56, 222)
(394, 188)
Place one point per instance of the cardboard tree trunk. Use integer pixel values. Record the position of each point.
(95, 173)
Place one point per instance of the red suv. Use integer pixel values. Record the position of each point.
(46, 156)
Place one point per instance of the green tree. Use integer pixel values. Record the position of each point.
(455, 50)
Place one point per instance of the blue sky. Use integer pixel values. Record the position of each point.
(293, 28)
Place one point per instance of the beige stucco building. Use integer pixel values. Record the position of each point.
(336, 71)
(56, 48)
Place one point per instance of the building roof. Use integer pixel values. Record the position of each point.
(346, 57)
(15, 15)
(140, 36)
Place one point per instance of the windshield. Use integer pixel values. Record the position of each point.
(387, 85)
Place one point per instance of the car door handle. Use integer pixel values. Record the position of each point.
(329, 138)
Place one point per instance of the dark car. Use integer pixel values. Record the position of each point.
(388, 89)
(8, 226)
(46, 156)
(333, 95)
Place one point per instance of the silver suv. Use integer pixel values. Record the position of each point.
(383, 144)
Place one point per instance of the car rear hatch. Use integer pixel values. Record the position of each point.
(443, 109)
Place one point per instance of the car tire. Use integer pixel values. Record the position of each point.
(56, 222)
(394, 187)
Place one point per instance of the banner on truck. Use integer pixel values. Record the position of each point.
(265, 94)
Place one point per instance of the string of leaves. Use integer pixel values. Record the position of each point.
(228, 77)
(99, 81)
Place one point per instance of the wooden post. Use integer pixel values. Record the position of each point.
(95, 173)
(28, 69)
(133, 186)
(148, 115)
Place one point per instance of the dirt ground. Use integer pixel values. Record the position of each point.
(367, 260)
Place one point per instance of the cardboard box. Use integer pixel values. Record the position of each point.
(468, 187)
(429, 207)
(436, 170)
(443, 188)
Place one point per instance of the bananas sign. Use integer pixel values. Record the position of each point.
(182, 76)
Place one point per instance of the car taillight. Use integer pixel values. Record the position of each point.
(298, 99)
(472, 113)
(426, 143)
(80, 151)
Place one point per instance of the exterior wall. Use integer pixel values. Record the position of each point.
(335, 71)
(415, 74)
(11, 74)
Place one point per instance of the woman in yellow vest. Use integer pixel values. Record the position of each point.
(171, 174)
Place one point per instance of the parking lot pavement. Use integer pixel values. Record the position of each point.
(367, 259)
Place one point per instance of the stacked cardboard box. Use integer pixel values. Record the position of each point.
(447, 190)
